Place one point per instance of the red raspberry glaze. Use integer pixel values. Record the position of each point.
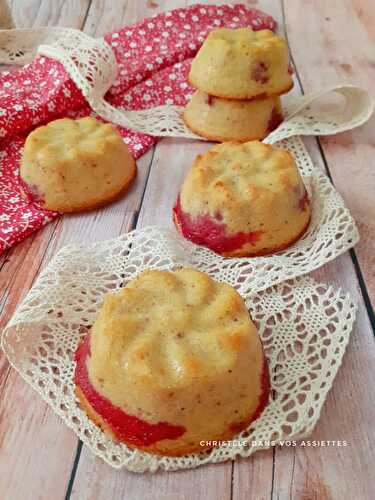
(275, 120)
(260, 73)
(303, 202)
(126, 427)
(265, 387)
(203, 230)
(209, 99)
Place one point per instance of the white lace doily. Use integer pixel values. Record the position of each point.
(92, 66)
(331, 232)
(304, 327)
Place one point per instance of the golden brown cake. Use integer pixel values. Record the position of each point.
(242, 64)
(173, 359)
(223, 120)
(243, 200)
(72, 165)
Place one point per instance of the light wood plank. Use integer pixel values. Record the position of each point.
(327, 473)
(40, 475)
(252, 478)
(97, 480)
(348, 411)
(172, 160)
(341, 47)
(94, 478)
(37, 451)
(36, 13)
(18, 272)
(85, 228)
(6, 20)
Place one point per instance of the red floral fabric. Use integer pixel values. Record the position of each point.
(153, 59)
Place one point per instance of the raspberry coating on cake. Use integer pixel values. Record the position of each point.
(203, 230)
(243, 200)
(125, 427)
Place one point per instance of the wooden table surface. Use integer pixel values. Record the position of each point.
(40, 458)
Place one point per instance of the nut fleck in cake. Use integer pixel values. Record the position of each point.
(173, 359)
(243, 200)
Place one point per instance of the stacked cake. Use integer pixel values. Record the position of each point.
(239, 75)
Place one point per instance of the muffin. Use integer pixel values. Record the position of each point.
(173, 361)
(232, 119)
(73, 165)
(243, 200)
(242, 64)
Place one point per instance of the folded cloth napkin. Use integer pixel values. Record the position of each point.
(153, 59)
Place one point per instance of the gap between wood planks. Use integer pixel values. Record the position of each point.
(353, 256)
(42, 258)
(357, 270)
(5, 258)
(86, 15)
(78, 456)
(133, 224)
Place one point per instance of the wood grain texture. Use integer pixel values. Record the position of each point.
(86, 228)
(6, 20)
(45, 477)
(298, 473)
(93, 478)
(23, 416)
(252, 477)
(36, 13)
(96, 480)
(37, 451)
(342, 49)
(332, 472)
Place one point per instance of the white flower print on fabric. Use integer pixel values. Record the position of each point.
(149, 78)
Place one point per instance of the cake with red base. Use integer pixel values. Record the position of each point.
(243, 200)
(173, 362)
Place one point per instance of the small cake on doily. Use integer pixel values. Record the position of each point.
(173, 362)
(243, 200)
(73, 165)
(242, 64)
(232, 119)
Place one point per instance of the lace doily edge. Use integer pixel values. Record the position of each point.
(157, 461)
